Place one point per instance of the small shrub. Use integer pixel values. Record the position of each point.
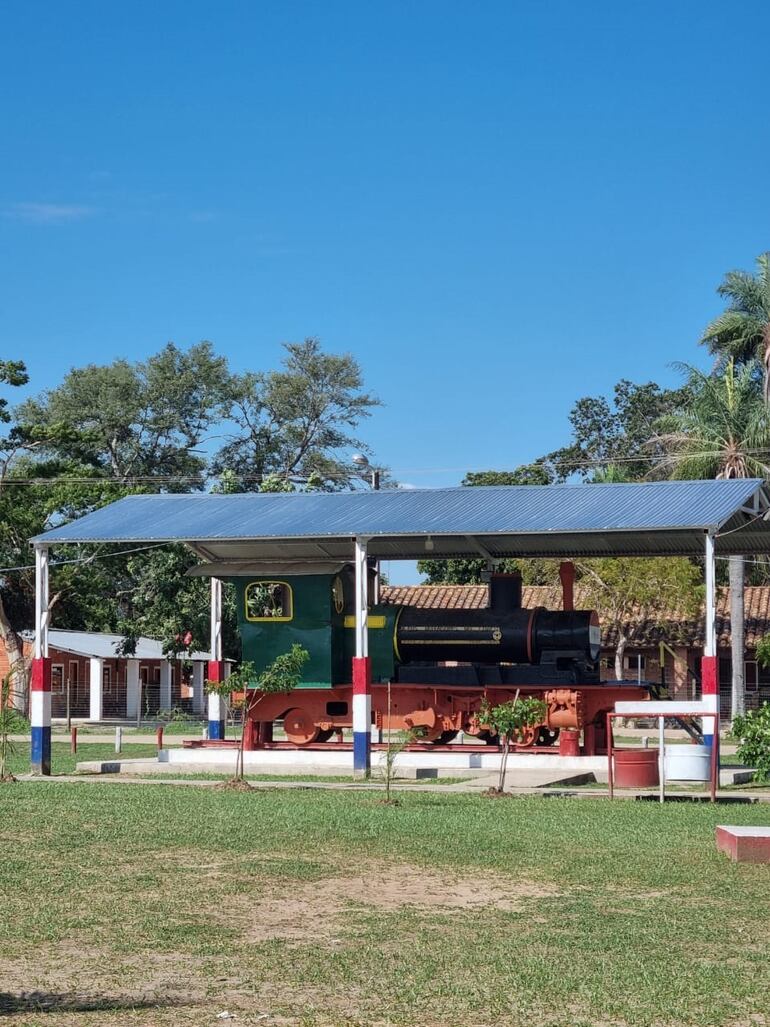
(509, 720)
(753, 734)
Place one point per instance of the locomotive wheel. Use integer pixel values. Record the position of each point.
(547, 736)
(299, 727)
(528, 737)
(444, 738)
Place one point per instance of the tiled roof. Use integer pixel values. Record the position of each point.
(672, 629)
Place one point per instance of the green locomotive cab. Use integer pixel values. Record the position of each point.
(316, 611)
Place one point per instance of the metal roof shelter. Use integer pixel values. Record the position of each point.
(656, 518)
(105, 646)
(240, 532)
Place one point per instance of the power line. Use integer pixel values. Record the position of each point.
(203, 480)
(86, 560)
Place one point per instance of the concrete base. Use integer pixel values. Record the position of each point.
(735, 776)
(177, 762)
(745, 844)
(340, 762)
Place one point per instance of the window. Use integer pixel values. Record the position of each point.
(57, 678)
(269, 601)
(107, 680)
(635, 662)
(74, 674)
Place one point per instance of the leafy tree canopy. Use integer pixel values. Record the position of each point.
(742, 332)
(295, 424)
(616, 433)
(139, 420)
(723, 431)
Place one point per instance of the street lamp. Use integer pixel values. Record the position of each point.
(362, 461)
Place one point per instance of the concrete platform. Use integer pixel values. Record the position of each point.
(333, 762)
(745, 844)
(517, 777)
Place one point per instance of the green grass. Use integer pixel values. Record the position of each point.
(194, 901)
(63, 761)
(148, 727)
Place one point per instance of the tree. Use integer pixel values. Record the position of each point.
(296, 423)
(22, 513)
(633, 588)
(282, 675)
(615, 434)
(722, 432)
(753, 733)
(153, 595)
(137, 421)
(741, 333)
(509, 720)
(470, 571)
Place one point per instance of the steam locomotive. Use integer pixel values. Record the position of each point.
(439, 664)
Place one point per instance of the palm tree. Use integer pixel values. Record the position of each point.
(742, 332)
(723, 432)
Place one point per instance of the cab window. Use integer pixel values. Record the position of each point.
(269, 601)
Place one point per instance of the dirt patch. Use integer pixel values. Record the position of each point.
(326, 904)
(233, 785)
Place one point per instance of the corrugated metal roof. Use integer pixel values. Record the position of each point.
(104, 645)
(639, 519)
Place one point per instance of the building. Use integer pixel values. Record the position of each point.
(669, 649)
(89, 680)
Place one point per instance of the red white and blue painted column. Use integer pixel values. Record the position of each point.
(362, 671)
(216, 664)
(709, 664)
(40, 684)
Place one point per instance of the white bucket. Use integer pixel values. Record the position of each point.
(688, 763)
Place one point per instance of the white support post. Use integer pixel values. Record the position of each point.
(709, 663)
(95, 688)
(216, 619)
(40, 685)
(362, 698)
(132, 688)
(165, 685)
(362, 599)
(42, 613)
(216, 663)
(199, 674)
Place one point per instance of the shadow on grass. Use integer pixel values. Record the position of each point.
(72, 1002)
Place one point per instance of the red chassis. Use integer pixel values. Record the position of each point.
(313, 715)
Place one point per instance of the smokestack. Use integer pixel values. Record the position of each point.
(505, 592)
(567, 575)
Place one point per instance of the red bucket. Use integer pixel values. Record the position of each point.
(636, 768)
(569, 742)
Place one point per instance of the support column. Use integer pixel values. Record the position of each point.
(709, 662)
(165, 685)
(216, 664)
(95, 687)
(132, 688)
(198, 677)
(362, 671)
(40, 684)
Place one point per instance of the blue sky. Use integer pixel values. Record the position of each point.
(497, 207)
